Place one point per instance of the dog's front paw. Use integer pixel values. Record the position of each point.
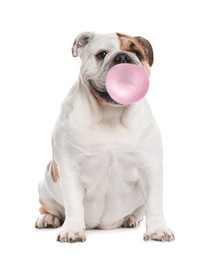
(71, 235)
(160, 235)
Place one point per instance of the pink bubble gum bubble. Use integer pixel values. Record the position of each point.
(127, 83)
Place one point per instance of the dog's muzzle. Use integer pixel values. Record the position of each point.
(102, 93)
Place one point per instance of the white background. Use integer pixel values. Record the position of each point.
(37, 70)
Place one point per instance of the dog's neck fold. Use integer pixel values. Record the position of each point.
(93, 112)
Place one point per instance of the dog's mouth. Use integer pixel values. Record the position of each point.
(102, 94)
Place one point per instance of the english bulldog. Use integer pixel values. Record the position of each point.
(106, 170)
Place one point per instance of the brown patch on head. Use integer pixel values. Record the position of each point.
(138, 45)
(53, 170)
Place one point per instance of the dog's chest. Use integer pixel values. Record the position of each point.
(111, 151)
(107, 154)
(102, 138)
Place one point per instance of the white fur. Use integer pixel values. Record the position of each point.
(109, 159)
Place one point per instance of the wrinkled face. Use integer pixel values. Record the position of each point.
(99, 53)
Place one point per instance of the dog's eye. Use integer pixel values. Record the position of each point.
(101, 55)
(139, 55)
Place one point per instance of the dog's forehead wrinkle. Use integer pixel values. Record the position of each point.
(108, 42)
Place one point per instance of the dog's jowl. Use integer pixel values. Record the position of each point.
(106, 171)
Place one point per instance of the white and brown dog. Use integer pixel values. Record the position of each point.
(107, 169)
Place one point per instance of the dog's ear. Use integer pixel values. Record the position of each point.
(81, 40)
(147, 49)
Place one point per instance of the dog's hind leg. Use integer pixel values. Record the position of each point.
(52, 212)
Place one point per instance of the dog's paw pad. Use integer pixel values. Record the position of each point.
(48, 221)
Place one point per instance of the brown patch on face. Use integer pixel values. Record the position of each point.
(138, 45)
(53, 170)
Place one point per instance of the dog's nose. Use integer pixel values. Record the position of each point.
(122, 58)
